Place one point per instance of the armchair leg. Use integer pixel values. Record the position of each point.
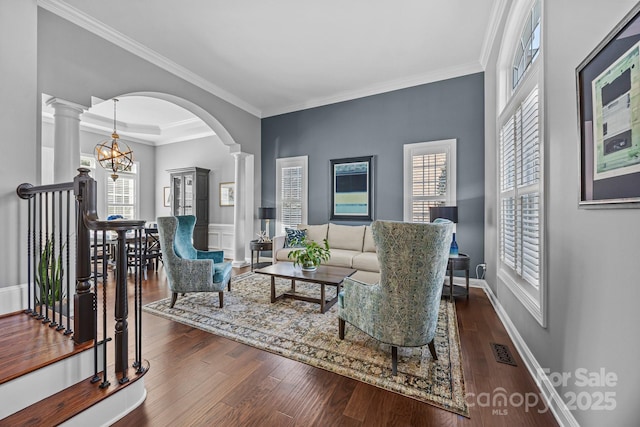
(174, 297)
(394, 360)
(229, 285)
(220, 294)
(341, 328)
(432, 350)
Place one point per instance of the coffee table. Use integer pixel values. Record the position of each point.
(324, 275)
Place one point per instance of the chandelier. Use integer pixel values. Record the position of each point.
(112, 154)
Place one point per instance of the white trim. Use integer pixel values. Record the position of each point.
(376, 89)
(429, 147)
(498, 10)
(552, 398)
(71, 14)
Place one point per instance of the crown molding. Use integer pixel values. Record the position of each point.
(71, 14)
(416, 80)
(497, 12)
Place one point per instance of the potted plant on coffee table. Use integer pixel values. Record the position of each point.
(310, 254)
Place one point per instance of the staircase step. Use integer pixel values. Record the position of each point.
(69, 402)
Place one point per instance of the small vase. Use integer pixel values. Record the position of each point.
(309, 268)
(454, 246)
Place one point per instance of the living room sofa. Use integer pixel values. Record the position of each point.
(351, 246)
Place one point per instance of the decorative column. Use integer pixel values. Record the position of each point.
(239, 238)
(66, 139)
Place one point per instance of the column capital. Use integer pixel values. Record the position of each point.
(240, 155)
(59, 102)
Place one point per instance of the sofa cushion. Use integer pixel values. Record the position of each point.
(366, 261)
(341, 258)
(294, 237)
(281, 255)
(369, 244)
(317, 233)
(348, 237)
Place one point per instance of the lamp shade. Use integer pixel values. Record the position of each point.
(266, 213)
(445, 212)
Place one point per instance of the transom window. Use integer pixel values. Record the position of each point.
(529, 44)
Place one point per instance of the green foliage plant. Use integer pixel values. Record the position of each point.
(310, 254)
(49, 275)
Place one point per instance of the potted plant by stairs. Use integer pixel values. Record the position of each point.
(310, 254)
(49, 276)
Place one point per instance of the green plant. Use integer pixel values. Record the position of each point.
(49, 275)
(310, 254)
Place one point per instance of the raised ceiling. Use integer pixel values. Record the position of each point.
(272, 57)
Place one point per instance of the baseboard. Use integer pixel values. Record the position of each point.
(548, 392)
(13, 298)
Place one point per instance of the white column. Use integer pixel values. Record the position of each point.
(239, 238)
(66, 139)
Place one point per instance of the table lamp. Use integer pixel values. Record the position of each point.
(267, 214)
(450, 213)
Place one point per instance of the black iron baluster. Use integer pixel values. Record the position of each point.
(47, 282)
(53, 261)
(64, 272)
(29, 260)
(94, 255)
(68, 331)
(41, 281)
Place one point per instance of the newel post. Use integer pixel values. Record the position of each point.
(84, 300)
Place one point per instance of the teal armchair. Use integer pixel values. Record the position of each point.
(402, 309)
(189, 269)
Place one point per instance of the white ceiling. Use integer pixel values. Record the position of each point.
(271, 57)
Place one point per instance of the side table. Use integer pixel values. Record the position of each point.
(457, 262)
(255, 245)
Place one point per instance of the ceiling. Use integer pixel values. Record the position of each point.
(272, 57)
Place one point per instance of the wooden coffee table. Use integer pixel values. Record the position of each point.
(324, 275)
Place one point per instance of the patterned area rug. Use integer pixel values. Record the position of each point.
(297, 330)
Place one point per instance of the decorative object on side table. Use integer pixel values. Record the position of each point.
(267, 214)
(450, 213)
(310, 253)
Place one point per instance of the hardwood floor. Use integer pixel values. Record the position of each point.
(200, 379)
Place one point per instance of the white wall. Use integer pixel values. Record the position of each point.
(19, 119)
(208, 153)
(592, 255)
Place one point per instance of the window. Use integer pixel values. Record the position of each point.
(529, 44)
(429, 178)
(520, 162)
(122, 194)
(291, 192)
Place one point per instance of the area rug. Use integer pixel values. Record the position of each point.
(297, 330)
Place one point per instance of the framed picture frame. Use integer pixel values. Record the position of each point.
(608, 89)
(166, 193)
(227, 193)
(352, 189)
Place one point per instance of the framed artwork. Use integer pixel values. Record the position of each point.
(166, 192)
(608, 89)
(352, 188)
(227, 193)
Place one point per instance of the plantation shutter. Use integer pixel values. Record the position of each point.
(520, 191)
(121, 197)
(429, 178)
(292, 193)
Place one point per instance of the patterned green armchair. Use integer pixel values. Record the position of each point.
(402, 309)
(189, 269)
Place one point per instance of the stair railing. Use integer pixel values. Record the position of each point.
(49, 238)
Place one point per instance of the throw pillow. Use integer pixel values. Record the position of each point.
(294, 236)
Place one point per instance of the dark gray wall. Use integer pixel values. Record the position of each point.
(379, 125)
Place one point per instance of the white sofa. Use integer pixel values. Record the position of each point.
(351, 246)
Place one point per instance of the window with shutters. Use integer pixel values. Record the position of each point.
(291, 192)
(122, 194)
(429, 178)
(520, 163)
